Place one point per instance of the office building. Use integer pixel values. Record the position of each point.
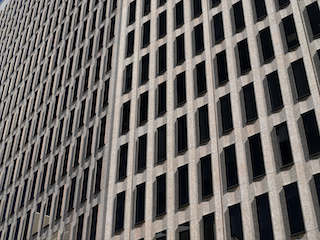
(162, 119)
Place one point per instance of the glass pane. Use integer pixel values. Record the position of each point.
(236, 221)
(256, 156)
(274, 91)
(238, 16)
(294, 208)
(231, 166)
(264, 217)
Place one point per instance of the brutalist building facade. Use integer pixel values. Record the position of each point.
(162, 119)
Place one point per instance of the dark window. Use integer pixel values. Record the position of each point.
(264, 217)
(119, 214)
(201, 78)
(88, 7)
(161, 235)
(181, 88)
(226, 114)
(130, 43)
(283, 3)
(250, 102)
(145, 69)
(238, 16)
(294, 208)
(123, 156)
(112, 26)
(261, 10)
(236, 222)
(54, 114)
(317, 182)
(106, 93)
(300, 78)
(162, 2)
(142, 152)
(56, 58)
(182, 134)
(59, 202)
(21, 165)
(98, 65)
(132, 12)
(161, 194)
(84, 185)
(89, 143)
(231, 166)
(206, 176)
(102, 131)
(94, 221)
(86, 79)
(26, 226)
(180, 49)
(94, 103)
(128, 81)
(312, 132)
(244, 57)
(4, 210)
(274, 91)
(183, 186)
(140, 202)
(162, 21)
(266, 44)
(162, 59)
(101, 37)
(54, 169)
(284, 144)
(76, 86)
(90, 48)
(179, 14)
(290, 32)
(32, 150)
(162, 143)
(23, 196)
(143, 116)
(184, 233)
(146, 34)
(146, 7)
(80, 227)
(162, 98)
(222, 67)
(197, 8)
(72, 193)
(256, 154)
(65, 101)
(125, 117)
(17, 229)
(84, 30)
(77, 152)
(199, 41)
(65, 161)
(74, 44)
(313, 13)
(109, 60)
(209, 227)
(33, 187)
(114, 4)
(204, 134)
(218, 28)
(97, 186)
(215, 2)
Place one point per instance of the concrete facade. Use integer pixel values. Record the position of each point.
(30, 45)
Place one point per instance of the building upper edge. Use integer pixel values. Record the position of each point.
(3, 4)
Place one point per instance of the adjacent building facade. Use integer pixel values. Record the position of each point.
(155, 119)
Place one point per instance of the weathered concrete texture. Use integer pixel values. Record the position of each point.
(30, 39)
